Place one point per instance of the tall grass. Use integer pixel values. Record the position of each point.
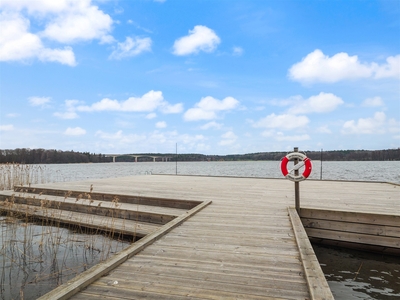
(21, 174)
(37, 255)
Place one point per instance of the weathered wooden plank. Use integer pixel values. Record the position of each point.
(356, 246)
(371, 229)
(94, 209)
(317, 284)
(132, 199)
(107, 224)
(161, 291)
(143, 263)
(349, 216)
(80, 282)
(200, 288)
(392, 242)
(92, 202)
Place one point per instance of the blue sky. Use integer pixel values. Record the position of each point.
(214, 77)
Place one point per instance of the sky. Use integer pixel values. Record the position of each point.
(211, 77)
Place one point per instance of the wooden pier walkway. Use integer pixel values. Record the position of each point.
(246, 244)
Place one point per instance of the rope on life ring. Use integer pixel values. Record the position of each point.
(306, 162)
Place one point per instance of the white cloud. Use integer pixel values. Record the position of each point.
(321, 103)
(17, 44)
(283, 122)
(201, 38)
(63, 21)
(80, 20)
(153, 140)
(376, 124)
(6, 127)
(373, 102)
(390, 69)
(161, 124)
(237, 51)
(228, 138)
(151, 116)
(70, 113)
(147, 103)
(324, 129)
(318, 67)
(39, 101)
(208, 107)
(211, 124)
(131, 47)
(172, 109)
(75, 131)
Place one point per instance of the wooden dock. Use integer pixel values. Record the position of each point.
(241, 241)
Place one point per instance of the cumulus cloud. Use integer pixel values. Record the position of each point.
(171, 109)
(131, 47)
(18, 44)
(321, 103)
(161, 124)
(201, 38)
(79, 21)
(283, 122)
(318, 67)
(149, 102)
(208, 108)
(376, 124)
(39, 101)
(63, 21)
(211, 124)
(75, 131)
(373, 102)
(8, 127)
(70, 106)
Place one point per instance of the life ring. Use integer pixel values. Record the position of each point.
(304, 159)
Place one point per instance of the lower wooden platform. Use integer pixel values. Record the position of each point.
(245, 245)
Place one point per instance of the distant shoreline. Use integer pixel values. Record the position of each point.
(43, 156)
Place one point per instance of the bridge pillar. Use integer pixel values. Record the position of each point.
(154, 159)
(114, 159)
(135, 158)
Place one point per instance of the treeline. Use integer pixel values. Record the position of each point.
(42, 156)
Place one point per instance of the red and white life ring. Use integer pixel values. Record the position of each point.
(306, 162)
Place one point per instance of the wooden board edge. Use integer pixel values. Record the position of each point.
(73, 286)
(317, 285)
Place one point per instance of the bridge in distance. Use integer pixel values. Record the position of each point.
(136, 156)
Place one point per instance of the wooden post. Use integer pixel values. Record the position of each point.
(296, 185)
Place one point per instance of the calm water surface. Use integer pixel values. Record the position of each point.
(370, 171)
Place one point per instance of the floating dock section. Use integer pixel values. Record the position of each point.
(221, 237)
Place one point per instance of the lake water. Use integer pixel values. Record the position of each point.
(350, 274)
(332, 170)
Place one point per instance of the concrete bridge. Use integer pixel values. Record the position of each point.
(136, 156)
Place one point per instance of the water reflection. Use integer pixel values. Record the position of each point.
(360, 275)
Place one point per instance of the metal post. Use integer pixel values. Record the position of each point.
(320, 176)
(296, 185)
(176, 160)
